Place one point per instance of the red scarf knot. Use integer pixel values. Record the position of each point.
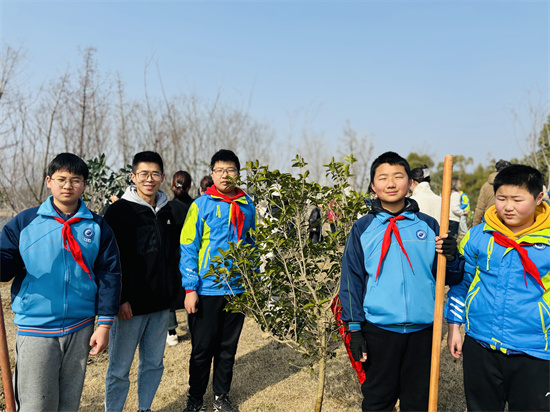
(237, 215)
(528, 265)
(70, 243)
(386, 242)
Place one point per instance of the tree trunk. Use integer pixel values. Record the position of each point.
(321, 384)
(322, 369)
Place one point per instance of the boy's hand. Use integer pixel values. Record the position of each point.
(446, 245)
(125, 311)
(191, 301)
(99, 340)
(454, 340)
(358, 346)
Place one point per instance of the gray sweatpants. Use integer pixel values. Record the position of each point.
(49, 372)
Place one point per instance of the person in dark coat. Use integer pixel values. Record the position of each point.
(181, 183)
(148, 245)
(315, 225)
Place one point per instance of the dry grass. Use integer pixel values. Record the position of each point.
(268, 377)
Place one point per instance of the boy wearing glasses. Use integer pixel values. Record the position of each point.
(65, 265)
(147, 238)
(223, 214)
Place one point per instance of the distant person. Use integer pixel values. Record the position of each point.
(428, 201)
(387, 290)
(332, 215)
(465, 206)
(181, 183)
(205, 183)
(223, 214)
(486, 197)
(64, 263)
(147, 238)
(315, 225)
(456, 213)
(503, 300)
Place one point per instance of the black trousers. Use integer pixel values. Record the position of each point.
(397, 367)
(492, 378)
(214, 336)
(453, 228)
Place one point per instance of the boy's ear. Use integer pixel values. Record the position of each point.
(538, 199)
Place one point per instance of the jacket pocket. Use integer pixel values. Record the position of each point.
(544, 311)
(469, 301)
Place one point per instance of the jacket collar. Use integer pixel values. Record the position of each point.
(410, 207)
(132, 196)
(47, 209)
(422, 187)
(542, 223)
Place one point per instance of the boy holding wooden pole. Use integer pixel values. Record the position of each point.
(388, 290)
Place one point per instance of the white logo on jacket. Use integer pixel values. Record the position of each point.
(420, 234)
(88, 235)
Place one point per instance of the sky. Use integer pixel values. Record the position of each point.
(435, 77)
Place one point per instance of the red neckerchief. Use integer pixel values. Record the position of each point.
(528, 265)
(70, 243)
(237, 215)
(386, 242)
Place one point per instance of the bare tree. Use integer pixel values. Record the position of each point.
(316, 151)
(309, 143)
(361, 147)
(15, 126)
(88, 113)
(531, 123)
(85, 119)
(50, 126)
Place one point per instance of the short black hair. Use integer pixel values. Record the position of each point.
(148, 157)
(391, 158)
(69, 162)
(501, 164)
(225, 155)
(522, 176)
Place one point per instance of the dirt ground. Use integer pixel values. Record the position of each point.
(268, 377)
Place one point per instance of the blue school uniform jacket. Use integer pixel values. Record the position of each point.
(51, 294)
(401, 299)
(208, 228)
(502, 307)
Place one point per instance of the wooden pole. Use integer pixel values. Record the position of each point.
(5, 365)
(440, 285)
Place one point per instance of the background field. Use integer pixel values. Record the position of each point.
(268, 377)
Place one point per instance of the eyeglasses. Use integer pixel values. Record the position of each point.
(74, 182)
(231, 171)
(144, 175)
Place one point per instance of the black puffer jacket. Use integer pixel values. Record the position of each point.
(148, 245)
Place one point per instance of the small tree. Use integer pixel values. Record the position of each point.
(290, 295)
(103, 182)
